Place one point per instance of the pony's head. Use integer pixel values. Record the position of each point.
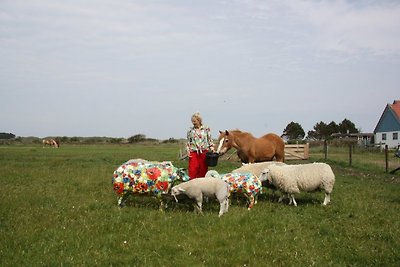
(225, 142)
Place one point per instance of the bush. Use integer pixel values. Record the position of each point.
(136, 138)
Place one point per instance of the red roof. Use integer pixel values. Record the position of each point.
(396, 108)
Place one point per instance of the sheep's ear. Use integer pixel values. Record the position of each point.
(181, 190)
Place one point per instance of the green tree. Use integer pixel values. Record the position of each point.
(7, 135)
(347, 126)
(332, 127)
(321, 131)
(294, 131)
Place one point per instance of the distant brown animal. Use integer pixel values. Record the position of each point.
(51, 142)
(251, 149)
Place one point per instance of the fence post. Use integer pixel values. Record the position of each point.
(326, 149)
(307, 151)
(350, 154)
(386, 158)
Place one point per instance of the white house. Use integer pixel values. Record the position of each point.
(387, 131)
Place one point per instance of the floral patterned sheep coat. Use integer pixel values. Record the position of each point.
(245, 183)
(139, 176)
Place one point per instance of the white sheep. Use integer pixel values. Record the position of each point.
(256, 168)
(291, 179)
(209, 187)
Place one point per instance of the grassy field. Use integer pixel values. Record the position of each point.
(58, 209)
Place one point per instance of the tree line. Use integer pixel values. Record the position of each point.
(321, 130)
(293, 131)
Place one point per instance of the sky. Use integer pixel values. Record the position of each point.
(121, 68)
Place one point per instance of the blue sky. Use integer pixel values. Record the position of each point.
(120, 68)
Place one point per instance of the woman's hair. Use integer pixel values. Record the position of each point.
(197, 116)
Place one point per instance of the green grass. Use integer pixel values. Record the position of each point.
(57, 207)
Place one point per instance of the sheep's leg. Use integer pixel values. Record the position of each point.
(122, 200)
(327, 199)
(226, 204)
(251, 200)
(162, 207)
(291, 196)
(199, 204)
(222, 207)
(281, 197)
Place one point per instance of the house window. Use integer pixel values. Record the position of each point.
(383, 136)
(395, 136)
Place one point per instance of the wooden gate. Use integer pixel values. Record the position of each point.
(297, 151)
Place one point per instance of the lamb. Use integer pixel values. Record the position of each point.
(246, 183)
(291, 179)
(208, 187)
(138, 176)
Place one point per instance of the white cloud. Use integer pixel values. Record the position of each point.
(342, 26)
(239, 62)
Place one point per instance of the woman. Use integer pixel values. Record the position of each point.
(198, 143)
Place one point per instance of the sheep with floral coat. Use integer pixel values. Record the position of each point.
(247, 184)
(138, 176)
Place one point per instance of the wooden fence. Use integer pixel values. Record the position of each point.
(297, 151)
(292, 152)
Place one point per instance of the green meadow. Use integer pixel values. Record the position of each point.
(58, 208)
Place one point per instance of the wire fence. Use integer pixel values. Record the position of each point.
(350, 154)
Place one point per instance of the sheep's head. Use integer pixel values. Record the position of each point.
(182, 175)
(176, 191)
(264, 176)
(266, 180)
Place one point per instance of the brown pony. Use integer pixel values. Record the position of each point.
(251, 149)
(51, 142)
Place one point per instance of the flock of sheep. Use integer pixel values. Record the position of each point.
(140, 176)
